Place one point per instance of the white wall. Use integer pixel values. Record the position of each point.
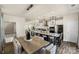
(20, 23)
(71, 27)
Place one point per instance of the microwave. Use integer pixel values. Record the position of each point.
(52, 29)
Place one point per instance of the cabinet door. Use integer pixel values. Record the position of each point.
(51, 23)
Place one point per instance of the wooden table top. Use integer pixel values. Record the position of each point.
(34, 45)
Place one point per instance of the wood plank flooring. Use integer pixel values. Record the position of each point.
(65, 48)
(68, 48)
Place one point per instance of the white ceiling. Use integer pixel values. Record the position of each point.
(47, 10)
(14, 9)
(38, 10)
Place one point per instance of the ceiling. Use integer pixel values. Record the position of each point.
(47, 10)
(38, 10)
(14, 9)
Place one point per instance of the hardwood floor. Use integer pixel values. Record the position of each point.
(65, 48)
(8, 48)
(68, 48)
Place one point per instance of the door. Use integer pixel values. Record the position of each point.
(1, 33)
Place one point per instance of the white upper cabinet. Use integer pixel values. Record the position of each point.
(51, 23)
(59, 22)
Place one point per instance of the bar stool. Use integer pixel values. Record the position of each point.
(45, 37)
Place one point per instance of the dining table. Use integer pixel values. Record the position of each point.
(33, 45)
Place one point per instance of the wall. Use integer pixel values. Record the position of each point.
(71, 27)
(20, 23)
